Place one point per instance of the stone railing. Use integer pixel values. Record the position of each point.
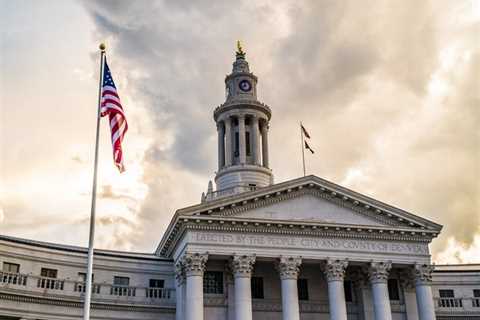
(449, 303)
(462, 305)
(80, 287)
(50, 283)
(228, 191)
(160, 293)
(13, 278)
(31, 284)
(124, 291)
(476, 302)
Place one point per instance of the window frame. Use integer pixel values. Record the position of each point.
(46, 273)
(216, 280)
(393, 287)
(445, 293)
(10, 264)
(121, 278)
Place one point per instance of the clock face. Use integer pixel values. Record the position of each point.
(245, 85)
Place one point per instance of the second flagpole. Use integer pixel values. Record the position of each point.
(303, 149)
(88, 280)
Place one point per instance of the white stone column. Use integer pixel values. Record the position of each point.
(423, 280)
(378, 275)
(335, 273)
(255, 140)
(230, 292)
(179, 291)
(265, 144)
(289, 269)
(221, 145)
(228, 142)
(242, 145)
(242, 267)
(194, 264)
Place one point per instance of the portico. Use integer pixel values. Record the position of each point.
(353, 255)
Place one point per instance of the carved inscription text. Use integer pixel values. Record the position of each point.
(310, 243)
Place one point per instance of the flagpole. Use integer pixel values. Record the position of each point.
(303, 149)
(88, 280)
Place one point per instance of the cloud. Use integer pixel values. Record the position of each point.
(388, 91)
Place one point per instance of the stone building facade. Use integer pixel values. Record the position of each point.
(304, 249)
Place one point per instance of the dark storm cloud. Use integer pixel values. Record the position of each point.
(357, 72)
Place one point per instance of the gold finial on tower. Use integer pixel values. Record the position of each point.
(240, 49)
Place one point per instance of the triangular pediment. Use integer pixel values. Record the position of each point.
(312, 199)
(307, 203)
(311, 208)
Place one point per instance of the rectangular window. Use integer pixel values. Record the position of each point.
(446, 293)
(257, 287)
(247, 143)
(237, 145)
(156, 283)
(393, 289)
(213, 282)
(121, 281)
(302, 285)
(11, 267)
(82, 276)
(348, 288)
(476, 293)
(48, 273)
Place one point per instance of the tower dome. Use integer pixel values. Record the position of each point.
(242, 125)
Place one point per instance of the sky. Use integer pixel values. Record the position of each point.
(389, 91)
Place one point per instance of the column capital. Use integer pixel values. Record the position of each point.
(379, 271)
(242, 265)
(194, 263)
(289, 267)
(334, 269)
(423, 273)
(180, 272)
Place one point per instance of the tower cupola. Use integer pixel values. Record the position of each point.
(242, 125)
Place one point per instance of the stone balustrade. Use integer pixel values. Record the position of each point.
(45, 286)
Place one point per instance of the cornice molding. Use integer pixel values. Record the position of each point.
(69, 303)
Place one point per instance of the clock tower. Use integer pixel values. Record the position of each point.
(242, 125)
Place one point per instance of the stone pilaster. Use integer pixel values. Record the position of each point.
(289, 269)
(179, 290)
(335, 273)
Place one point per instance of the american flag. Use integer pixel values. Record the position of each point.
(111, 106)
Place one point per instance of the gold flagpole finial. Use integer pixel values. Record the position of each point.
(239, 48)
(102, 46)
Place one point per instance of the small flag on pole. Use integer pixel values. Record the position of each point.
(308, 147)
(111, 106)
(305, 132)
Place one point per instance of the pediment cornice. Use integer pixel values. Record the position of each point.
(233, 206)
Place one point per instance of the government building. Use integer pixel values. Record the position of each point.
(252, 249)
